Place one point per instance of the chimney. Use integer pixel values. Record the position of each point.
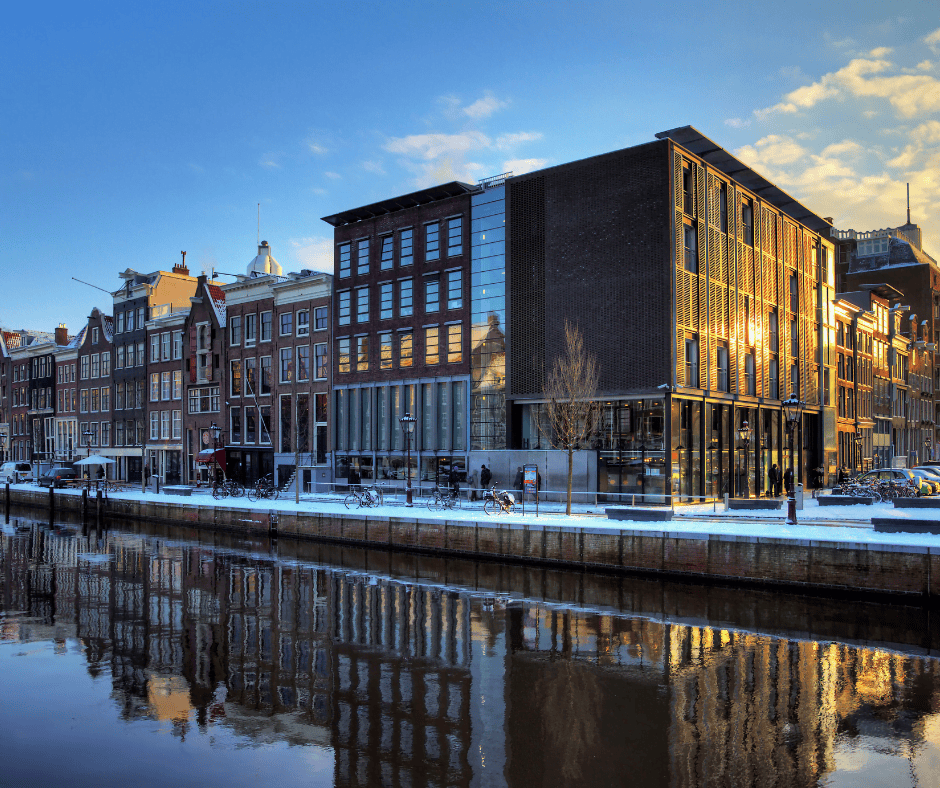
(180, 268)
(61, 334)
(827, 219)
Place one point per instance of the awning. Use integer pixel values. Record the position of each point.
(212, 456)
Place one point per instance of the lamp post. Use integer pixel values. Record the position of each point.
(408, 427)
(793, 411)
(858, 453)
(216, 433)
(744, 435)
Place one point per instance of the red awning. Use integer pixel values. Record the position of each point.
(210, 456)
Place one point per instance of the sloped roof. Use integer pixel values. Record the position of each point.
(217, 297)
(107, 323)
(900, 252)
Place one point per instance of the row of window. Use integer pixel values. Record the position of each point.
(166, 425)
(294, 367)
(166, 385)
(95, 400)
(126, 320)
(244, 328)
(452, 244)
(440, 343)
(166, 346)
(95, 365)
(131, 355)
(65, 373)
(434, 298)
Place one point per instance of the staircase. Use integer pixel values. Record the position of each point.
(288, 486)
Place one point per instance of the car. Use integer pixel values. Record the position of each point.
(15, 472)
(893, 476)
(929, 484)
(56, 477)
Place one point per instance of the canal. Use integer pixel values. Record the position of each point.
(152, 656)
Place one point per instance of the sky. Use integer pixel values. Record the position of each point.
(131, 132)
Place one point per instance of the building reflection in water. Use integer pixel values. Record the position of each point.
(419, 684)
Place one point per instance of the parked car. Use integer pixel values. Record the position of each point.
(928, 481)
(893, 476)
(15, 472)
(56, 477)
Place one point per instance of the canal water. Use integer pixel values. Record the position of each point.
(152, 656)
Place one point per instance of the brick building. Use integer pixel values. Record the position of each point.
(94, 386)
(67, 435)
(401, 334)
(164, 443)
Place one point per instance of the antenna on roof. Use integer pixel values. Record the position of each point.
(908, 203)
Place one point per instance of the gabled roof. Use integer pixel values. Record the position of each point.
(699, 145)
(217, 297)
(107, 323)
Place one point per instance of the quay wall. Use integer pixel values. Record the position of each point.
(810, 564)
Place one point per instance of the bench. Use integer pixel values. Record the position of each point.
(177, 489)
(632, 513)
(917, 503)
(896, 525)
(754, 503)
(845, 500)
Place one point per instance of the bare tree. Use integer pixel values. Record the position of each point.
(571, 410)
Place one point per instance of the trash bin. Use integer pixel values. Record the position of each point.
(799, 496)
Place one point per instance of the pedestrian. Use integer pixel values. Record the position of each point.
(788, 481)
(485, 478)
(454, 479)
(518, 483)
(474, 484)
(773, 477)
(354, 479)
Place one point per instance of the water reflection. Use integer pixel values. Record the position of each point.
(409, 681)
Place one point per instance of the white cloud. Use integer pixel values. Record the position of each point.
(879, 52)
(315, 253)
(509, 141)
(737, 123)
(484, 107)
(270, 160)
(522, 166)
(925, 65)
(315, 147)
(772, 150)
(375, 167)
(933, 40)
(334, 175)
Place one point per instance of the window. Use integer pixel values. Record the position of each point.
(154, 425)
(723, 206)
(303, 322)
(405, 297)
(343, 354)
(165, 386)
(691, 362)
(287, 323)
(120, 323)
(432, 243)
(794, 295)
(454, 343)
(178, 344)
(362, 263)
(388, 252)
(432, 350)
(795, 380)
(722, 368)
(235, 330)
(118, 396)
(265, 326)
(84, 363)
(362, 305)
(251, 329)
(750, 378)
(794, 338)
(96, 366)
(688, 189)
(747, 222)
(165, 425)
(774, 392)
(287, 364)
(345, 307)
(405, 348)
(454, 236)
(94, 336)
(362, 354)
(344, 260)
(140, 317)
(454, 289)
(772, 331)
(154, 348)
(235, 378)
(105, 364)
(177, 424)
(265, 373)
(691, 249)
(154, 386)
(235, 425)
(105, 433)
(119, 357)
(406, 247)
(320, 316)
(385, 350)
(177, 384)
(432, 294)
(320, 361)
(165, 346)
(204, 400)
(386, 297)
(303, 362)
(95, 400)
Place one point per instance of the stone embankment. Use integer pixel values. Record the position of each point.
(798, 563)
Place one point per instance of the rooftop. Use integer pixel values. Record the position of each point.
(413, 200)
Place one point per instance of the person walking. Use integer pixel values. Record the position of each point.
(518, 483)
(453, 479)
(788, 480)
(474, 484)
(773, 476)
(485, 477)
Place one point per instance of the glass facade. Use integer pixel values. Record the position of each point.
(488, 316)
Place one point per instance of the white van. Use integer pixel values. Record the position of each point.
(15, 472)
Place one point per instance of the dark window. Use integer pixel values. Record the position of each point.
(362, 266)
(388, 260)
(432, 242)
(344, 259)
(691, 250)
(688, 190)
(747, 222)
(691, 362)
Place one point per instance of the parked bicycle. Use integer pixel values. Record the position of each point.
(498, 502)
(363, 497)
(263, 488)
(226, 488)
(444, 498)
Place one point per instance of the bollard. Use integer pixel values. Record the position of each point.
(8, 497)
(51, 499)
(84, 503)
(272, 528)
(98, 513)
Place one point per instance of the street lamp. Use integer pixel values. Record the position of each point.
(793, 411)
(858, 452)
(408, 427)
(744, 435)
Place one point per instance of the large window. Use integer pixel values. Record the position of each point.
(454, 343)
(691, 362)
(362, 354)
(251, 329)
(345, 259)
(432, 241)
(266, 321)
(265, 381)
(343, 355)
(154, 386)
(303, 362)
(204, 400)
(385, 350)
(406, 247)
(454, 236)
(405, 348)
(362, 305)
(691, 249)
(723, 371)
(388, 252)
(432, 294)
(286, 323)
(235, 329)
(386, 301)
(405, 297)
(287, 364)
(432, 349)
(235, 378)
(165, 346)
(454, 289)
(345, 307)
(321, 361)
(320, 318)
(362, 265)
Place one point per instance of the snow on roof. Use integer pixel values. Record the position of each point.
(217, 296)
(77, 340)
(107, 323)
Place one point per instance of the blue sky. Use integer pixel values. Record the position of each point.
(133, 132)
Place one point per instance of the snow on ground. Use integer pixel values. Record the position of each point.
(847, 524)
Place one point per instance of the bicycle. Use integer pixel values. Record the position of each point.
(365, 497)
(498, 502)
(444, 498)
(226, 488)
(263, 488)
